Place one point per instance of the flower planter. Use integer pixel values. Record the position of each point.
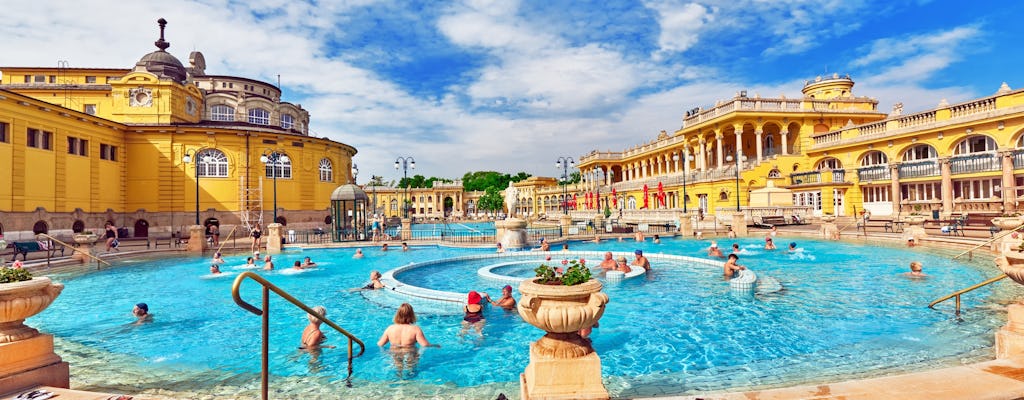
(83, 238)
(828, 218)
(1007, 223)
(20, 300)
(914, 220)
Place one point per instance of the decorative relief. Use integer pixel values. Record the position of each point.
(140, 97)
(190, 106)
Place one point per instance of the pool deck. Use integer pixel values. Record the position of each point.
(992, 380)
(68, 394)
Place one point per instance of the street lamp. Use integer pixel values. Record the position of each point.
(738, 159)
(189, 157)
(355, 173)
(275, 159)
(406, 163)
(564, 163)
(686, 164)
(375, 180)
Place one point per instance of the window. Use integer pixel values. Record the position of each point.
(53, 78)
(108, 152)
(90, 79)
(223, 84)
(78, 146)
(920, 152)
(280, 169)
(830, 163)
(812, 199)
(876, 194)
(28, 78)
(287, 121)
(39, 139)
(40, 79)
(975, 144)
(769, 145)
(259, 116)
(920, 191)
(222, 113)
(977, 189)
(326, 171)
(874, 158)
(90, 109)
(3, 132)
(212, 163)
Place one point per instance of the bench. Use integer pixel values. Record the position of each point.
(887, 224)
(769, 221)
(170, 241)
(24, 248)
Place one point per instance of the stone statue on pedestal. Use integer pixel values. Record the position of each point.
(511, 198)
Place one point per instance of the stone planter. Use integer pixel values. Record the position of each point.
(1007, 223)
(828, 218)
(20, 300)
(562, 365)
(914, 220)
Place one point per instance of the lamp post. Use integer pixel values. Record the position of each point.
(275, 159)
(729, 158)
(406, 163)
(564, 163)
(355, 173)
(190, 157)
(375, 180)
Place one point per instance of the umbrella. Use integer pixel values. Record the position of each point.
(645, 196)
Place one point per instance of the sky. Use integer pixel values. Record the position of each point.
(512, 86)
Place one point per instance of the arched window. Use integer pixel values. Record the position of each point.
(723, 196)
(631, 203)
(280, 168)
(920, 152)
(40, 227)
(212, 163)
(1020, 142)
(874, 157)
(774, 173)
(326, 171)
(975, 144)
(222, 113)
(77, 227)
(287, 121)
(829, 163)
(259, 116)
(394, 204)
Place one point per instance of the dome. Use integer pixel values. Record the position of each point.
(163, 65)
(349, 192)
(160, 62)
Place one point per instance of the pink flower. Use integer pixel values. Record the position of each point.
(1013, 235)
(565, 262)
(583, 261)
(548, 259)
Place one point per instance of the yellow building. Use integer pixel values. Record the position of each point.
(836, 153)
(157, 147)
(444, 200)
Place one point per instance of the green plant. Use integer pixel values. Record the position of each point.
(575, 273)
(10, 275)
(607, 211)
(1020, 247)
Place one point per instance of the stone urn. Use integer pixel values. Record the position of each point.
(563, 365)
(1007, 223)
(828, 218)
(20, 300)
(86, 238)
(914, 220)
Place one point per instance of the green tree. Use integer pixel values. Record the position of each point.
(491, 200)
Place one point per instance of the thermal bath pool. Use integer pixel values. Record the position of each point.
(845, 312)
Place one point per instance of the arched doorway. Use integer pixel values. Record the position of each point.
(141, 228)
(78, 226)
(281, 220)
(40, 227)
(449, 204)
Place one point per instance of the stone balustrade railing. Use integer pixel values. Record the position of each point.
(874, 173)
(977, 162)
(774, 104)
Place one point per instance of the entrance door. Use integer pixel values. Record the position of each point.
(702, 202)
(837, 202)
(141, 228)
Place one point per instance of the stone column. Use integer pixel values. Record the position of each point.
(406, 228)
(565, 222)
(702, 158)
(947, 187)
(1010, 338)
(760, 151)
(196, 239)
(685, 224)
(1009, 193)
(739, 223)
(896, 196)
(274, 236)
(739, 149)
(719, 156)
(785, 142)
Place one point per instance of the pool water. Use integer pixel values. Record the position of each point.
(846, 311)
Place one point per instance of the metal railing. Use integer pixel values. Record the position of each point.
(805, 178)
(265, 313)
(919, 169)
(987, 242)
(874, 173)
(1018, 159)
(957, 294)
(978, 162)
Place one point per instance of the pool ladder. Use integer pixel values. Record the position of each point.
(957, 294)
(265, 313)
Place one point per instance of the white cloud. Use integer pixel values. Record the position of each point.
(680, 23)
(916, 57)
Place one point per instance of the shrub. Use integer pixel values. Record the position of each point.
(10, 275)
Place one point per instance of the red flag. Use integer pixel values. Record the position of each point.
(615, 199)
(646, 190)
(661, 194)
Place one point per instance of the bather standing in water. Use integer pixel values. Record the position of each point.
(403, 336)
(141, 313)
(267, 264)
(731, 268)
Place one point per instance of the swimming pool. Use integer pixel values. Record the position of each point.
(846, 312)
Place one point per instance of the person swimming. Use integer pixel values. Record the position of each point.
(714, 251)
(214, 269)
(792, 247)
(916, 270)
(358, 254)
(141, 313)
(308, 263)
(403, 335)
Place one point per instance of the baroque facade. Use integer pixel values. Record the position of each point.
(834, 151)
(157, 147)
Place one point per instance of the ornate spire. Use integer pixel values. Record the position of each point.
(161, 43)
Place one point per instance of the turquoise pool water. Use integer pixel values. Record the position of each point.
(846, 311)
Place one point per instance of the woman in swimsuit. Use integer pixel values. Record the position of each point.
(474, 313)
(403, 336)
(111, 235)
(257, 236)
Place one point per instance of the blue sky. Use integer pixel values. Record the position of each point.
(511, 86)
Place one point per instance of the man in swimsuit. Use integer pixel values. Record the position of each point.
(267, 264)
(714, 251)
(506, 301)
(731, 268)
(141, 313)
(608, 263)
(640, 260)
(111, 235)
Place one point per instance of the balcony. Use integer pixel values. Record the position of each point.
(874, 173)
(918, 169)
(805, 178)
(977, 162)
(1018, 159)
(700, 115)
(838, 176)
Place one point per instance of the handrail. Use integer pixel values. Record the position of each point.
(960, 292)
(226, 239)
(987, 242)
(265, 313)
(73, 250)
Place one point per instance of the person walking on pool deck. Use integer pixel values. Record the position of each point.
(257, 238)
(111, 235)
(403, 336)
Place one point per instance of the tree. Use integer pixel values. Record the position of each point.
(491, 200)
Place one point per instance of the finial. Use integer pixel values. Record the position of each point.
(161, 43)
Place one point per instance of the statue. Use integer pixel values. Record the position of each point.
(897, 109)
(511, 198)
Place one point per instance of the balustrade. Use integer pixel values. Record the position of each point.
(973, 107)
(917, 119)
(978, 162)
(838, 175)
(873, 129)
(919, 169)
(1018, 159)
(875, 173)
(805, 178)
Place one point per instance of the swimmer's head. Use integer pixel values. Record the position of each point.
(143, 308)
(473, 298)
(638, 252)
(714, 245)
(621, 260)
(792, 245)
(319, 310)
(916, 266)
(733, 257)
